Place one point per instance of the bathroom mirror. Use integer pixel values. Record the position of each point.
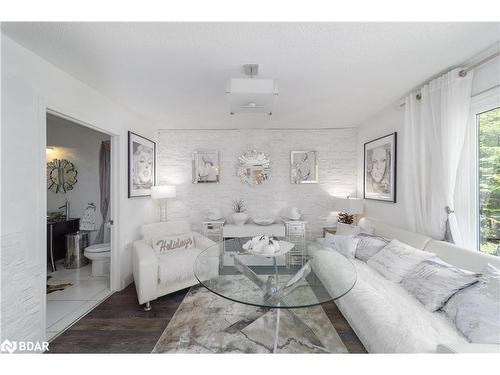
(253, 167)
(61, 176)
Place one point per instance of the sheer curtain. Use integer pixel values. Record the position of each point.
(435, 129)
(104, 185)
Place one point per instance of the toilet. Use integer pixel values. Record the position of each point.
(100, 257)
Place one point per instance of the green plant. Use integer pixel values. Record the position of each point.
(239, 205)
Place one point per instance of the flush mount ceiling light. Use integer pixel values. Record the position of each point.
(251, 94)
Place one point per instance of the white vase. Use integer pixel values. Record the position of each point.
(240, 218)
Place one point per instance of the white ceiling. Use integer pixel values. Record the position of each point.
(329, 74)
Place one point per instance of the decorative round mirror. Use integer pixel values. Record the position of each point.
(61, 175)
(253, 167)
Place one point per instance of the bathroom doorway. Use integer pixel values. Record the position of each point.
(78, 221)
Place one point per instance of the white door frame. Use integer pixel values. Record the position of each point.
(115, 274)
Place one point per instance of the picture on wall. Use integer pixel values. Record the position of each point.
(205, 167)
(380, 169)
(141, 165)
(303, 167)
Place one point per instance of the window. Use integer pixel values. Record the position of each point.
(488, 126)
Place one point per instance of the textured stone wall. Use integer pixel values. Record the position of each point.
(336, 150)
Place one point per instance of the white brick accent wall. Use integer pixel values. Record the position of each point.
(336, 150)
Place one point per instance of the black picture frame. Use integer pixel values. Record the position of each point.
(380, 182)
(133, 191)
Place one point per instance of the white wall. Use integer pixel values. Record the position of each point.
(337, 172)
(30, 83)
(81, 146)
(391, 119)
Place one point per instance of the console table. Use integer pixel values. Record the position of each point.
(251, 230)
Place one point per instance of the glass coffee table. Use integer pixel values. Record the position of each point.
(267, 285)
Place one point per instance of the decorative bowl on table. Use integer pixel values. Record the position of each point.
(263, 220)
(292, 213)
(267, 246)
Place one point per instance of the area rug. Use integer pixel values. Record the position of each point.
(200, 325)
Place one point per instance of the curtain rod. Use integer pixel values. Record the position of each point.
(464, 72)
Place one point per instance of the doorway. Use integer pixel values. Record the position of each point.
(78, 221)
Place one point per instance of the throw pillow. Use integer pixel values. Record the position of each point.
(475, 310)
(345, 245)
(369, 245)
(165, 244)
(434, 281)
(397, 259)
(351, 230)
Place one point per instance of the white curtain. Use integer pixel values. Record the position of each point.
(434, 133)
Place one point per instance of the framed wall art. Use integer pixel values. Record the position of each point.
(205, 167)
(303, 167)
(379, 175)
(141, 165)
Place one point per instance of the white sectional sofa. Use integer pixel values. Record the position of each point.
(387, 319)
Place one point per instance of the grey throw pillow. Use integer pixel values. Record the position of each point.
(433, 282)
(397, 259)
(369, 245)
(475, 310)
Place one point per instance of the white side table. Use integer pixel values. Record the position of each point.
(296, 233)
(213, 230)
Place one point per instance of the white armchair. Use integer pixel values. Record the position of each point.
(158, 275)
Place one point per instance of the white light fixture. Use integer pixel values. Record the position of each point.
(162, 193)
(251, 95)
(348, 207)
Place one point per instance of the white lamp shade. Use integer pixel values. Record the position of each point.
(163, 192)
(352, 206)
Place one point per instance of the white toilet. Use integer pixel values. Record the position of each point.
(100, 257)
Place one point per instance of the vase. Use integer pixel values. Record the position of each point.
(240, 218)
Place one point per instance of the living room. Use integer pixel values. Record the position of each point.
(266, 187)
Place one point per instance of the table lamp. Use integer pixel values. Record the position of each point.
(348, 208)
(162, 193)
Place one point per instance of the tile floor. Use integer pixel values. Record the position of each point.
(67, 306)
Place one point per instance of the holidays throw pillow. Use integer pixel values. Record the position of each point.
(475, 310)
(369, 245)
(164, 244)
(434, 281)
(397, 259)
(345, 245)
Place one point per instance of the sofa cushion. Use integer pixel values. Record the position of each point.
(433, 282)
(475, 310)
(177, 265)
(351, 230)
(164, 244)
(396, 259)
(345, 245)
(369, 245)
(387, 319)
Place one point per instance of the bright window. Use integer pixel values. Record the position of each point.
(488, 125)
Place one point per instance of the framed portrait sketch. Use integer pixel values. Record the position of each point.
(141, 165)
(205, 167)
(380, 169)
(303, 167)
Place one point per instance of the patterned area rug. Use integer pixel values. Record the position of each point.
(200, 325)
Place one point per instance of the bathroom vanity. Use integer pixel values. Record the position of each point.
(56, 240)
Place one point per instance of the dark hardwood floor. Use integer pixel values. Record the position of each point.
(120, 325)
